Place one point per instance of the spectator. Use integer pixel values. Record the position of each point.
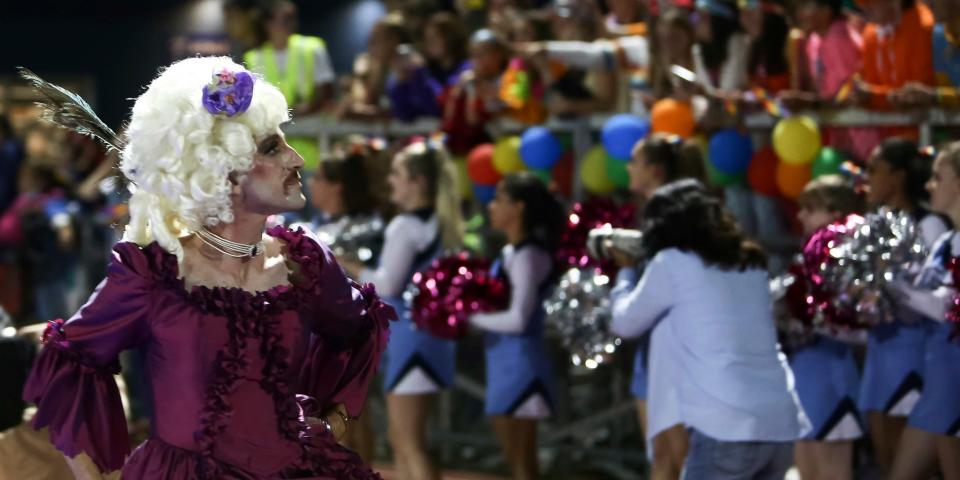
(946, 61)
(897, 45)
(39, 225)
(297, 64)
(445, 48)
(475, 99)
(367, 96)
(626, 18)
(721, 52)
(11, 156)
(766, 25)
(832, 55)
(672, 45)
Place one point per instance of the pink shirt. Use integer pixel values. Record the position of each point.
(834, 58)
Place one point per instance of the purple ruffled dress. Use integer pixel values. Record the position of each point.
(233, 374)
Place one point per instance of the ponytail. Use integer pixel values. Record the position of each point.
(430, 160)
(447, 204)
(679, 158)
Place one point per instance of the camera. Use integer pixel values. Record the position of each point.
(600, 240)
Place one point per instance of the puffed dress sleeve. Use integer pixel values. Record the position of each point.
(349, 325)
(72, 380)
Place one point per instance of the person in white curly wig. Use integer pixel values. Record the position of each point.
(258, 348)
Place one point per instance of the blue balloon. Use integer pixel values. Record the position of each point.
(484, 193)
(730, 151)
(539, 148)
(621, 133)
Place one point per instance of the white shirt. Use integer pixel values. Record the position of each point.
(527, 269)
(663, 409)
(733, 72)
(732, 382)
(405, 237)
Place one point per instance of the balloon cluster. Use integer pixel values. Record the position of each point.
(849, 264)
(583, 217)
(441, 298)
(538, 150)
(360, 238)
(579, 314)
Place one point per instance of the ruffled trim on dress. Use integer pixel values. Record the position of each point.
(256, 316)
(94, 423)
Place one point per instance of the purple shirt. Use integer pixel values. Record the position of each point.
(232, 373)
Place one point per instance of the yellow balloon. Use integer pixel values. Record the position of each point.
(463, 179)
(506, 156)
(593, 171)
(796, 140)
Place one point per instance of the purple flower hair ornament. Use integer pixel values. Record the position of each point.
(229, 93)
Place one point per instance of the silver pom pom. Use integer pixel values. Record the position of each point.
(579, 314)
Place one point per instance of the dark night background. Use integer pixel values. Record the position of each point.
(120, 44)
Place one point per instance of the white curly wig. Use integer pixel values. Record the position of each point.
(178, 155)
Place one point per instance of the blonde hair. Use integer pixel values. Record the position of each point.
(832, 193)
(429, 160)
(178, 156)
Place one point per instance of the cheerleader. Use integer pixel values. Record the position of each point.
(709, 288)
(418, 365)
(893, 369)
(655, 161)
(825, 374)
(520, 386)
(342, 193)
(932, 435)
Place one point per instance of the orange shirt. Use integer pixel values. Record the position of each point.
(894, 57)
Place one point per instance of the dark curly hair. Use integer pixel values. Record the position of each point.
(917, 164)
(683, 215)
(543, 216)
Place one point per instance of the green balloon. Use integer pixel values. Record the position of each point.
(828, 162)
(720, 179)
(617, 172)
(543, 174)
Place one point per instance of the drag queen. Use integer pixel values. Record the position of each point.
(257, 346)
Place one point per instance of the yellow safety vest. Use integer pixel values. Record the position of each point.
(296, 83)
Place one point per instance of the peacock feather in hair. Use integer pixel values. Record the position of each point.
(67, 109)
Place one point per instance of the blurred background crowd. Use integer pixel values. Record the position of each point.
(494, 78)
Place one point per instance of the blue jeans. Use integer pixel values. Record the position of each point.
(712, 459)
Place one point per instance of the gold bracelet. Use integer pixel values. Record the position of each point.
(342, 416)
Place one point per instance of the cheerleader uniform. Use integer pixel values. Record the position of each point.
(519, 374)
(825, 376)
(893, 368)
(416, 361)
(938, 410)
(827, 383)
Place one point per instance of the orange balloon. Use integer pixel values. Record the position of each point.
(673, 116)
(793, 178)
(762, 174)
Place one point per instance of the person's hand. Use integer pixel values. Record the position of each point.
(860, 94)
(403, 65)
(797, 99)
(619, 257)
(530, 50)
(913, 95)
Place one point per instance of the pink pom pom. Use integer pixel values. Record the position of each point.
(443, 297)
(585, 216)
